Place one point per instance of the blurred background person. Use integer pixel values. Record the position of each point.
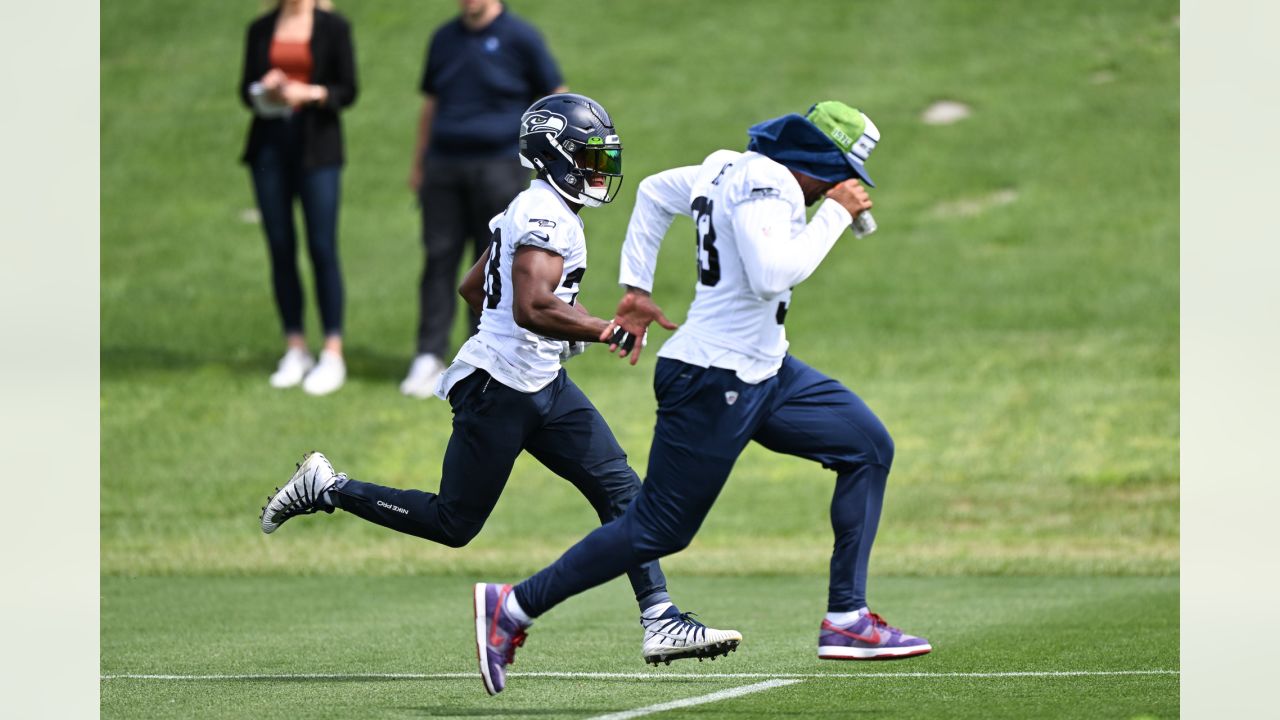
(299, 73)
(483, 69)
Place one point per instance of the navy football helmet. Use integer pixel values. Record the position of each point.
(570, 141)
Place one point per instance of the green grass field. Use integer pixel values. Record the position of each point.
(349, 627)
(1014, 322)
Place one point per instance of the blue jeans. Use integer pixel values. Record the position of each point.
(706, 417)
(492, 425)
(279, 177)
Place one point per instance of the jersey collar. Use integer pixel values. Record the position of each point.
(563, 203)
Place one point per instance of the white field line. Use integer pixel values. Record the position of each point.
(699, 700)
(646, 675)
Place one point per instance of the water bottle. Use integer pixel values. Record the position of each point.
(863, 225)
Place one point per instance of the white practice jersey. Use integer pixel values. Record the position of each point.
(516, 357)
(753, 246)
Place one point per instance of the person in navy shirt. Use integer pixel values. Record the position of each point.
(483, 69)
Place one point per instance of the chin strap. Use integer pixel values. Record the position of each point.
(581, 199)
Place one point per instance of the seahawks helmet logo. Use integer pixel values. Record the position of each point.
(542, 121)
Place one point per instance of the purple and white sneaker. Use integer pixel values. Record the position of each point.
(497, 635)
(868, 638)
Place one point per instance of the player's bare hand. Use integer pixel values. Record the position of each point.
(851, 196)
(297, 94)
(626, 332)
(274, 79)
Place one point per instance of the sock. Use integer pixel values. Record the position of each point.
(329, 497)
(653, 598)
(659, 610)
(846, 618)
(511, 606)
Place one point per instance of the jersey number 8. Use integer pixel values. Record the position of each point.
(493, 281)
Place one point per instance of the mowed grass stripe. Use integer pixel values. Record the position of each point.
(644, 676)
(297, 641)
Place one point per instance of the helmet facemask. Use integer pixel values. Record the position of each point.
(599, 168)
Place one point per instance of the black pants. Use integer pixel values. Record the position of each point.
(278, 178)
(458, 199)
(492, 424)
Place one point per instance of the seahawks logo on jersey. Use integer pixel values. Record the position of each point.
(542, 121)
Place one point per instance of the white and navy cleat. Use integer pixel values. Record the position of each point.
(303, 494)
(673, 635)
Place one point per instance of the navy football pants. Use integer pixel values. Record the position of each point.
(492, 424)
(706, 417)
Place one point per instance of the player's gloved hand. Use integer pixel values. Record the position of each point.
(572, 348)
(623, 341)
(631, 322)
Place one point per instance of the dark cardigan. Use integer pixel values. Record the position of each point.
(333, 65)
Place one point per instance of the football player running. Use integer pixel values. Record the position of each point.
(508, 390)
(726, 378)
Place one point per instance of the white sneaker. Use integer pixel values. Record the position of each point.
(303, 494)
(292, 368)
(327, 376)
(422, 377)
(670, 637)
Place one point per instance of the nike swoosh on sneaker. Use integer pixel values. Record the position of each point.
(873, 638)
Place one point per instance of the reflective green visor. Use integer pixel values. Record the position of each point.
(605, 161)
